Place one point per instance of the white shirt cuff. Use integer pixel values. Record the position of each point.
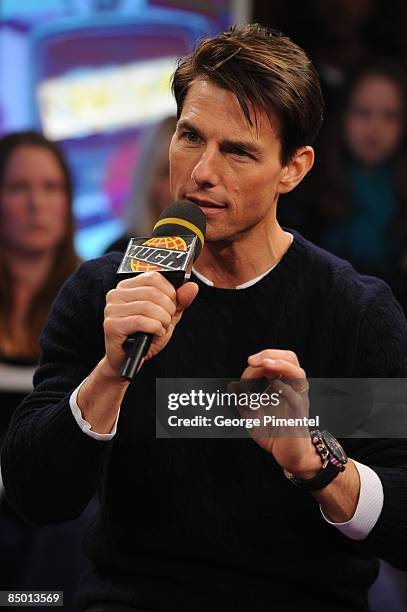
(84, 425)
(370, 504)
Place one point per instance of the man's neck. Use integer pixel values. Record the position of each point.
(229, 265)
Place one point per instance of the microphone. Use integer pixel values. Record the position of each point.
(176, 242)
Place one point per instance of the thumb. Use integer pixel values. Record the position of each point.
(185, 296)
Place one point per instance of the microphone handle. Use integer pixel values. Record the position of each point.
(136, 347)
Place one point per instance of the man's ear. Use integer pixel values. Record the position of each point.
(295, 169)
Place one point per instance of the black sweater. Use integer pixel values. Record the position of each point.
(212, 525)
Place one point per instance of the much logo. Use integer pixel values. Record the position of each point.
(169, 243)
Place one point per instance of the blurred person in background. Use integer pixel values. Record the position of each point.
(362, 179)
(150, 192)
(340, 35)
(342, 41)
(36, 256)
(363, 182)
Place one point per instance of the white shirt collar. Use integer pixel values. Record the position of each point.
(249, 283)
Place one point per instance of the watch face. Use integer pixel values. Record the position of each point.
(334, 447)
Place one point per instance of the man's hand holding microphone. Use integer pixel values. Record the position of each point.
(147, 303)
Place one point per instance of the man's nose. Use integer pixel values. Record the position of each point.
(206, 171)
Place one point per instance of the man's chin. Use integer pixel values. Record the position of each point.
(217, 237)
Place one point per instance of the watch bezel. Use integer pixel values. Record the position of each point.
(334, 447)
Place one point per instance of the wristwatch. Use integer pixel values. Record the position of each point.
(333, 459)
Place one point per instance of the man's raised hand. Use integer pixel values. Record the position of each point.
(145, 303)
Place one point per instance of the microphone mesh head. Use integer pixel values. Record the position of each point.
(182, 218)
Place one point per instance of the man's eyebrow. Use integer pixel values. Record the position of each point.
(186, 125)
(246, 145)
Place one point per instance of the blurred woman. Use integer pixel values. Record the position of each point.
(36, 256)
(362, 173)
(36, 237)
(150, 192)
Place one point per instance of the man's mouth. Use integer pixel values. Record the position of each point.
(205, 204)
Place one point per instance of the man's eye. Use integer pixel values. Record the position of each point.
(239, 152)
(190, 136)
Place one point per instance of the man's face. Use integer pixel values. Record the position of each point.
(230, 169)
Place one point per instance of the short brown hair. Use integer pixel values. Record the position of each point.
(265, 70)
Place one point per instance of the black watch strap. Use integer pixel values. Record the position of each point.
(333, 459)
(324, 477)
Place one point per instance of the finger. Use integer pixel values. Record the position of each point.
(153, 279)
(145, 308)
(286, 355)
(186, 295)
(139, 294)
(296, 402)
(130, 325)
(279, 368)
(274, 367)
(292, 405)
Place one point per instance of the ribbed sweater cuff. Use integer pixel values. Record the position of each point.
(58, 427)
(64, 456)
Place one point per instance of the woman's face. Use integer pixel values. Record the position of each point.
(374, 121)
(33, 201)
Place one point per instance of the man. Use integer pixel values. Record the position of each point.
(216, 524)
